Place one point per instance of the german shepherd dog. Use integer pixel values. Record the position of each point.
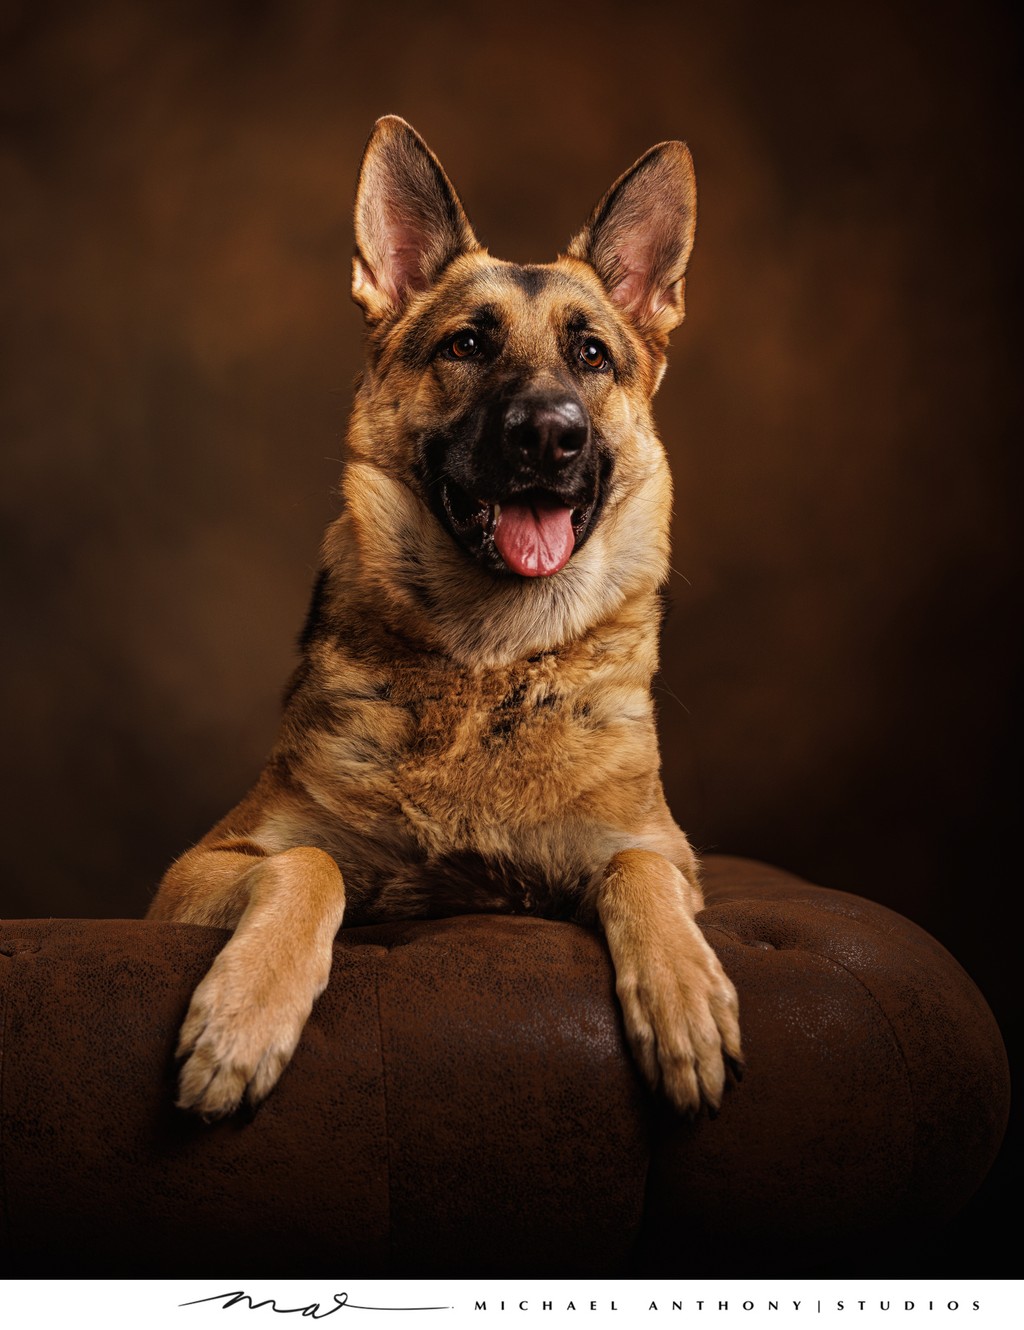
(471, 725)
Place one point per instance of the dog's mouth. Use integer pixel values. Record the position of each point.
(533, 533)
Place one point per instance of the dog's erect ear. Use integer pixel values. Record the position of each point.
(409, 222)
(639, 237)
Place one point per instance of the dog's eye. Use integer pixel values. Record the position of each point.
(593, 355)
(463, 346)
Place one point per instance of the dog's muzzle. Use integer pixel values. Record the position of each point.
(524, 498)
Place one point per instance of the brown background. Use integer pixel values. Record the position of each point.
(179, 347)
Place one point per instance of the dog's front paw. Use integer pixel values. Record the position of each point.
(240, 1032)
(682, 1017)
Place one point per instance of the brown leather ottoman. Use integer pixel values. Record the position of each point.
(462, 1102)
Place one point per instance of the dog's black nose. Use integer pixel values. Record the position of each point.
(548, 431)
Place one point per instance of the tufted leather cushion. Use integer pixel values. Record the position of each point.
(462, 1102)
(876, 1095)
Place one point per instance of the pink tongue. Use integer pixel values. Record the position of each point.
(535, 539)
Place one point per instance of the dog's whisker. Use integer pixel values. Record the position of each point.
(661, 687)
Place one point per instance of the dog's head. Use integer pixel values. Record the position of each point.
(505, 408)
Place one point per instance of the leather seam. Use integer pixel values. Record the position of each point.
(829, 960)
(720, 928)
(5, 997)
(387, 1116)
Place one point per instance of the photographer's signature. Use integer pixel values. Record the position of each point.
(312, 1309)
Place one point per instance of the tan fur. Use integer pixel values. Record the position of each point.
(455, 741)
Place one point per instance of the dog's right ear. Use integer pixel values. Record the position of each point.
(409, 222)
(639, 237)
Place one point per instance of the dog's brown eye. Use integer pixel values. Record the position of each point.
(463, 346)
(594, 355)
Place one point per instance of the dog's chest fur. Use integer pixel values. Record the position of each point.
(436, 786)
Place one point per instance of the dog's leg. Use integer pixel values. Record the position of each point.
(246, 1016)
(679, 1007)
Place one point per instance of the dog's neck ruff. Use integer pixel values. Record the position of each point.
(388, 552)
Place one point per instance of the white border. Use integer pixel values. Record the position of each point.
(439, 1304)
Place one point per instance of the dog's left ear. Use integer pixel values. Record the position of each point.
(409, 222)
(639, 237)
